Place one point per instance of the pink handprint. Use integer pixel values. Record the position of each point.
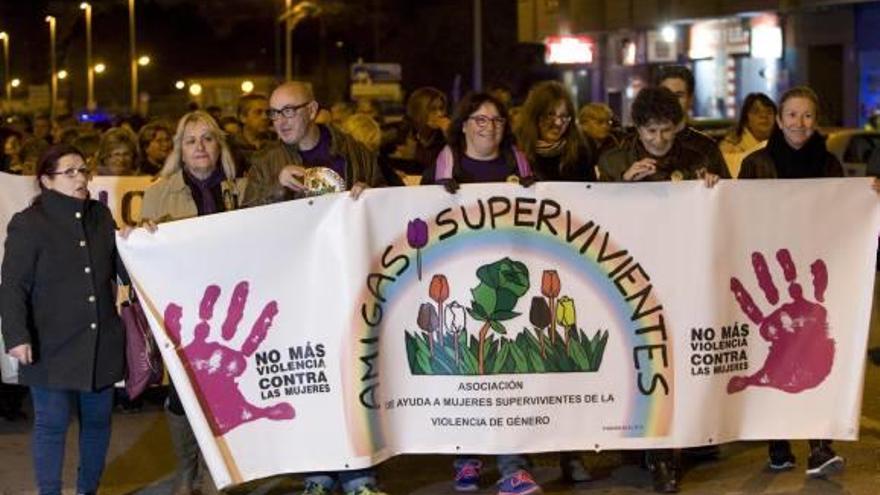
(213, 367)
(801, 351)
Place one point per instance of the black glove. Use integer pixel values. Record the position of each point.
(527, 181)
(451, 185)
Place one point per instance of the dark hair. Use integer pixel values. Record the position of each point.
(49, 160)
(468, 105)
(148, 133)
(542, 100)
(244, 101)
(418, 106)
(657, 104)
(677, 72)
(751, 100)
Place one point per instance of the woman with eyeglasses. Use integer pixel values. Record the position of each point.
(480, 147)
(59, 319)
(550, 140)
(198, 179)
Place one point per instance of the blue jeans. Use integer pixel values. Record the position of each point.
(348, 480)
(52, 410)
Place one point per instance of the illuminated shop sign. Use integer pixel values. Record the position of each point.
(709, 38)
(766, 37)
(568, 50)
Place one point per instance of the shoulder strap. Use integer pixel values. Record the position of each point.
(443, 167)
(522, 163)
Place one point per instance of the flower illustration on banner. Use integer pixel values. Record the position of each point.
(214, 367)
(494, 349)
(501, 285)
(539, 317)
(801, 351)
(417, 238)
(429, 322)
(566, 316)
(455, 318)
(439, 292)
(550, 287)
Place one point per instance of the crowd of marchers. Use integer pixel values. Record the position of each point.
(61, 266)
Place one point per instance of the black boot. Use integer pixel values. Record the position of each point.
(664, 470)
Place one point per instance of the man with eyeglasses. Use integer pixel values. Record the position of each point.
(680, 80)
(277, 171)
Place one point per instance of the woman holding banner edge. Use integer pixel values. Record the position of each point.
(198, 178)
(796, 150)
(480, 149)
(59, 319)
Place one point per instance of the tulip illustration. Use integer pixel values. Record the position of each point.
(539, 316)
(428, 322)
(550, 286)
(439, 292)
(455, 318)
(417, 237)
(566, 316)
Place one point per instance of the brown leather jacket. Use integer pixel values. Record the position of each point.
(263, 187)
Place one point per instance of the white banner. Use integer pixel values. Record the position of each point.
(122, 194)
(503, 319)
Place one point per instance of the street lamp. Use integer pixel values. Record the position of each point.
(180, 85)
(132, 57)
(100, 68)
(292, 16)
(16, 82)
(195, 89)
(247, 86)
(53, 93)
(144, 60)
(91, 104)
(62, 74)
(6, 79)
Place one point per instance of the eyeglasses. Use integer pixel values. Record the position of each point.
(73, 172)
(287, 111)
(482, 121)
(553, 117)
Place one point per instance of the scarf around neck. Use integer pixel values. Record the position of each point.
(806, 162)
(545, 148)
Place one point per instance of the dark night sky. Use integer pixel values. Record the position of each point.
(189, 38)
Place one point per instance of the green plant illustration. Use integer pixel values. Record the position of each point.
(443, 345)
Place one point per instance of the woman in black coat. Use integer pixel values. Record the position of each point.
(796, 150)
(59, 318)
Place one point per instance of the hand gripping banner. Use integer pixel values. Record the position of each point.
(506, 319)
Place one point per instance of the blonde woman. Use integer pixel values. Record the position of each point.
(198, 179)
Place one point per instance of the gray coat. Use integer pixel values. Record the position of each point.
(57, 293)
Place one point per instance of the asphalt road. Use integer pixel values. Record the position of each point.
(140, 462)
